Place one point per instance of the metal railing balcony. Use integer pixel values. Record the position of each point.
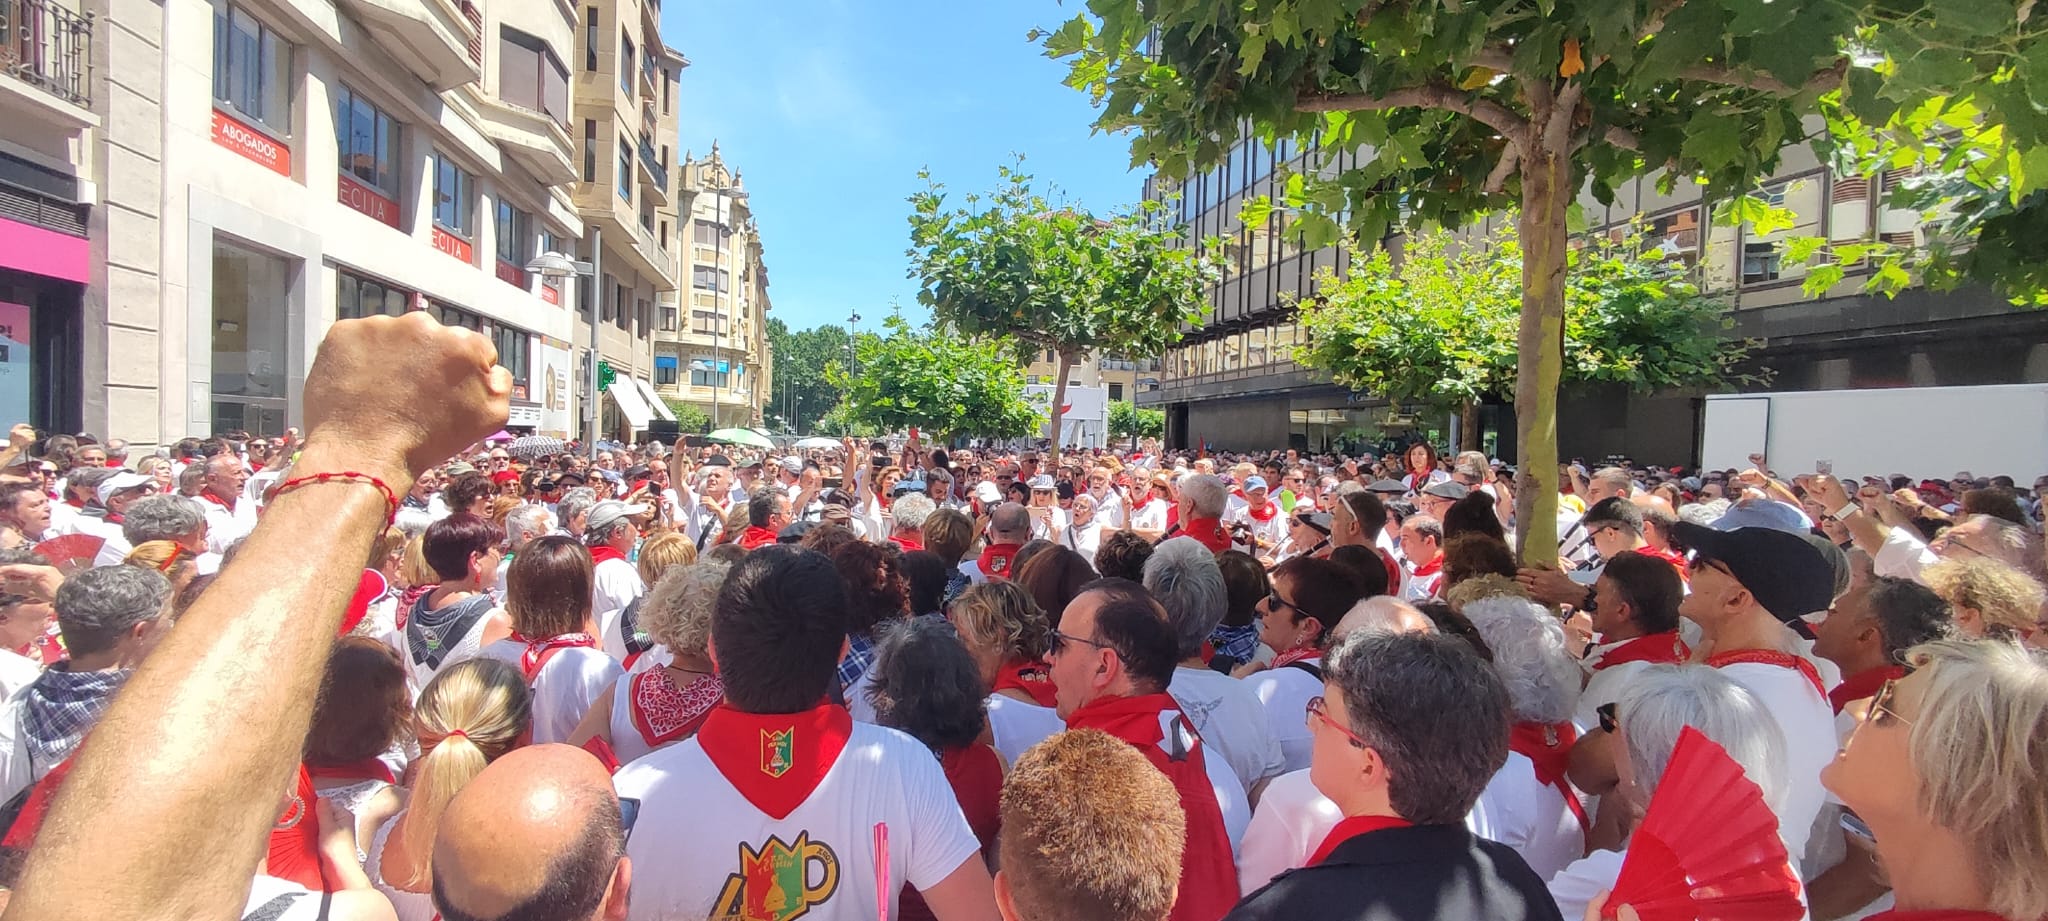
(654, 167)
(48, 46)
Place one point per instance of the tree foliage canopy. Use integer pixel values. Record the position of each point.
(801, 358)
(934, 380)
(1436, 327)
(1127, 420)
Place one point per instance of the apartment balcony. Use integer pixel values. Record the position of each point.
(653, 175)
(48, 47)
(533, 139)
(440, 41)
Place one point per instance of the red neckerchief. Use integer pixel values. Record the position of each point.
(366, 769)
(115, 519)
(1656, 648)
(1430, 568)
(755, 538)
(1208, 878)
(1351, 828)
(665, 713)
(75, 503)
(408, 599)
(600, 553)
(1770, 657)
(1292, 656)
(995, 560)
(1676, 559)
(1034, 678)
(1863, 684)
(1549, 747)
(1209, 531)
(207, 495)
(908, 542)
(540, 649)
(775, 760)
(1271, 508)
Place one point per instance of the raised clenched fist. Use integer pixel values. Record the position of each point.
(397, 395)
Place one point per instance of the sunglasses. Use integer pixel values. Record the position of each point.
(1609, 720)
(1274, 603)
(1318, 711)
(1056, 643)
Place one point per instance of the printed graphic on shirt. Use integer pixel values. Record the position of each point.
(778, 751)
(779, 881)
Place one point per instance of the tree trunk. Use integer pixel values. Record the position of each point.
(1058, 409)
(1468, 426)
(1546, 195)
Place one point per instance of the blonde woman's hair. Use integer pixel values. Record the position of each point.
(1005, 615)
(2008, 600)
(164, 556)
(660, 552)
(1482, 587)
(1980, 747)
(471, 713)
(415, 571)
(677, 612)
(390, 542)
(502, 506)
(736, 523)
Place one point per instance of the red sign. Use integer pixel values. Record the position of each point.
(231, 133)
(367, 200)
(549, 294)
(453, 245)
(512, 275)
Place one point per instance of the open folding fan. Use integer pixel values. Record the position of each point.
(71, 553)
(1707, 847)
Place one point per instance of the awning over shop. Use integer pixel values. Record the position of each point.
(631, 403)
(654, 400)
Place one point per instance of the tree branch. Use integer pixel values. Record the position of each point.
(1616, 135)
(1654, 23)
(1502, 169)
(1439, 96)
(1557, 131)
(1822, 80)
(1496, 58)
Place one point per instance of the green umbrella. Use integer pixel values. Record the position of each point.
(737, 436)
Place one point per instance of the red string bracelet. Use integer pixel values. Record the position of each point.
(346, 476)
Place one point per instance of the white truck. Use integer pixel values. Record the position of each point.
(1921, 432)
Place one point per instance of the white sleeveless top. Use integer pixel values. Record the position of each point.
(411, 906)
(664, 705)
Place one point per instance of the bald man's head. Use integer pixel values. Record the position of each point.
(535, 837)
(1385, 614)
(1010, 523)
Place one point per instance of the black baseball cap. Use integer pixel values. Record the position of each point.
(1788, 577)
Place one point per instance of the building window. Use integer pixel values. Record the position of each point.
(530, 76)
(590, 38)
(611, 300)
(702, 375)
(514, 230)
(626, 59)
(664, 233)
(1675, 236)
(252, 69)
(251, 319)
(665, 372)
(515, 352)
(1116, 391)
(589, 150)
(668, 83)
(704, 232)
(621, 317)
(710, 279)
(644, 317)
(668, 318)
(707, 322)
(625, 171)
(357, 296)
(454, 207)
(366, 139)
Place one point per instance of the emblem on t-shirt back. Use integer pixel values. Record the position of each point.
(778, 751)
(779, 882)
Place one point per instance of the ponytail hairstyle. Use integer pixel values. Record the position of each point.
(472, 713)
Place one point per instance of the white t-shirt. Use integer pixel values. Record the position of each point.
(1531, 816)
(1049, 527)
(1806, 722)
(1581, 882)
(1109, 509)
(1270, 532)
(17, 671)
(1292, 821)
(1083, 539)
(224, 527)
(1903, 555)
(702, 833)
(614, 584)
(1016, 725)
(1231, 720)
(569, 682)
(1285, 692)
(1151, 516)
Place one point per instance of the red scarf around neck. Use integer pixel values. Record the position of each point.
(1655, 648)
(602, 552)
(1208, 875)
(665, 713)
(1863, 684)
(366, 769)
(908, 542)
(1209, 531)
(775, 760)
(206, 495)
(755, 538)
(1292, 656)
(1770, 657)
(1549, 747)
(1351, 828)
(540, 649)
(995, 560)
(1032, 677)
(1263, 514)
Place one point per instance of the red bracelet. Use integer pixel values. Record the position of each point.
(347, 476)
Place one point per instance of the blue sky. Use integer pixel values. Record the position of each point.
(829, 107)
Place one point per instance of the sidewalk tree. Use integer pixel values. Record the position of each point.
(944, 384)
(801, 357)
(1126, 420)
(689, 419)
(1436, 328)
(1014, 267)
(1473, 106)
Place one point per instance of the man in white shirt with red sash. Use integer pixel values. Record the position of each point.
(228, 518)
(782, 806)
(1635, 617)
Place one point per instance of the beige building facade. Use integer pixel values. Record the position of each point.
(712, 351)
(1123, 378)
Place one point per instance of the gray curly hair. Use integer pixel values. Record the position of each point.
(1530, 656)
(677, 613)
(911, 509)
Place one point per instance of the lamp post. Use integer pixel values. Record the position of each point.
(556, 265)
(852, 327)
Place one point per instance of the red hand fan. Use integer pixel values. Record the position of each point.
(1708, 846)
(72, 553)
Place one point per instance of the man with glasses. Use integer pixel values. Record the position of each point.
(1896, 551)
(1112, 657)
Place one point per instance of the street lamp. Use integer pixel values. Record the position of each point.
(556, 265)
(852, 324)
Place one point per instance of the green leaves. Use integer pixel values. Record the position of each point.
(926, 378)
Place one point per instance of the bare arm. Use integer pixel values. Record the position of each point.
(1864, 528)
(966, 894)
(164, 731)
(597, 724)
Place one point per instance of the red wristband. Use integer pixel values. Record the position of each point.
(345, 476)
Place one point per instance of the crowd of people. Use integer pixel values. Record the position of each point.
(398, 669)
